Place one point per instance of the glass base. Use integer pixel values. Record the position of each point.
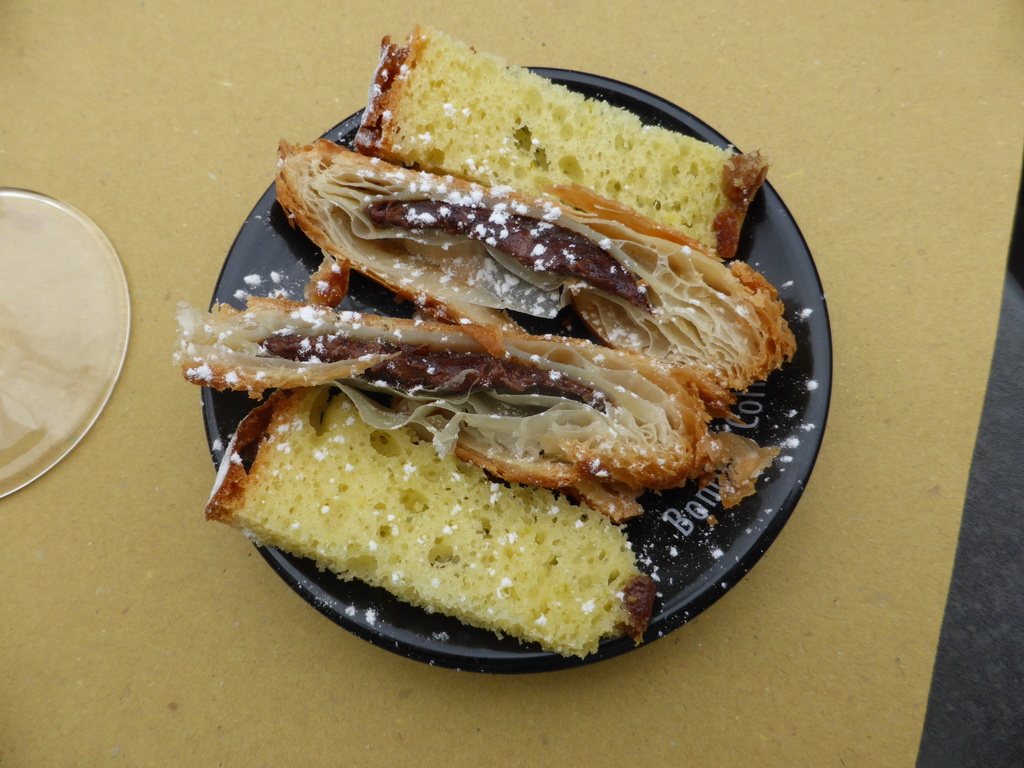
(64, 319)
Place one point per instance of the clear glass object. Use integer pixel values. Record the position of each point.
(64, 319)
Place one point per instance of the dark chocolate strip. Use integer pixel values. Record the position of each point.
(414, 369)
(539, 245)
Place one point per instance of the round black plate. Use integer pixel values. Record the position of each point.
(693, 548)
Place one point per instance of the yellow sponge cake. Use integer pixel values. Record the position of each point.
(439, 105)
(382, 506)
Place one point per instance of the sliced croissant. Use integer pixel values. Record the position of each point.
(676, 300)
(601, 424)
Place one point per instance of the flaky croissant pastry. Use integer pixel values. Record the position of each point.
(478, 255)
(600, 424)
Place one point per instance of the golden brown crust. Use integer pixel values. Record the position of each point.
(229, 492)
(638, 598)
(371, 132)
(298, 213)
(746, 463)
(616, 501)
(545, 476)
(374, 137)
(780, 344)
(742, 176)
(329, 284)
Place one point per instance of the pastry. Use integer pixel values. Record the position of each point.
(307, 475)
(478, 256)
(602, 425)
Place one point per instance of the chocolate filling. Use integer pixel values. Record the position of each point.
(416, 368)
(539, 245)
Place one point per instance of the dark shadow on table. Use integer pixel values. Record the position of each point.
(975, 711)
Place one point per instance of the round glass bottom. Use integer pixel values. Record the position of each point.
(64, 317)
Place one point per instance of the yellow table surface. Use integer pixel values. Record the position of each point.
(133, 632)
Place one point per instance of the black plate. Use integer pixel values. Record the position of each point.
(694, 561)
